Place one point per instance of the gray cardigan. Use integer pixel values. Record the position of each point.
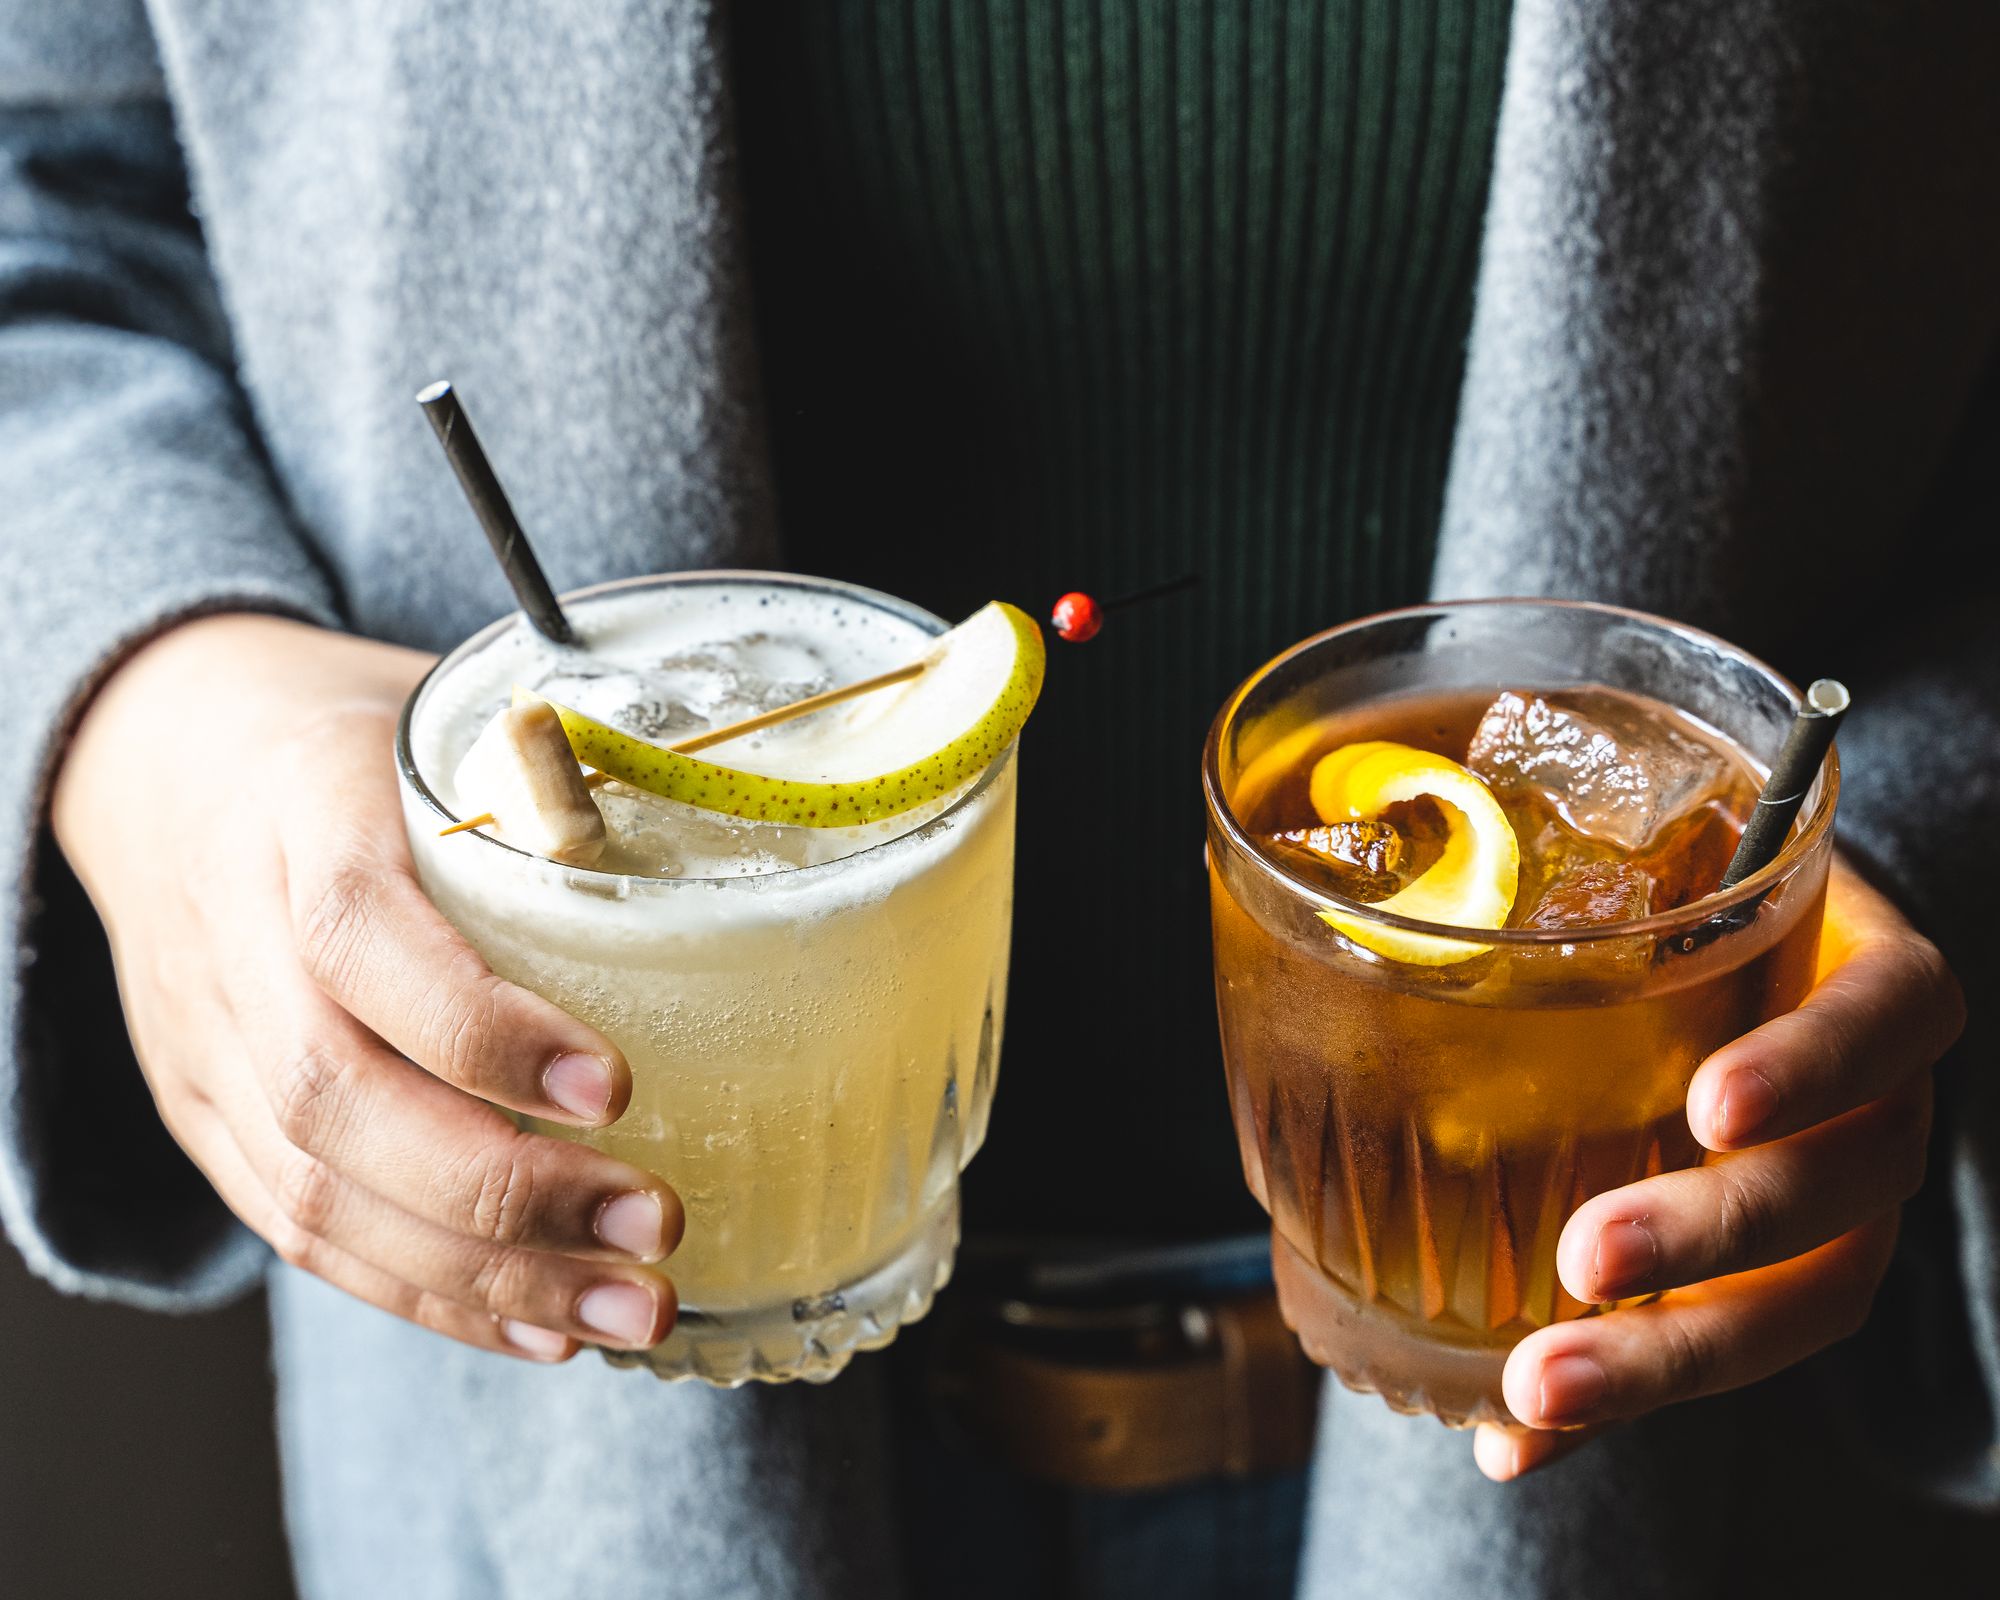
(1732, 359)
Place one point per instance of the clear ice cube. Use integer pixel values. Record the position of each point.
(1612, 771)
(694, 690)
(1357, 859)
(670, 697)
(1592, 896)
(638, 703)
(743, 676)
(663, 839)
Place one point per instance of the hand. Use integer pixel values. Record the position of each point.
(317, 1037)
(1820, 1119)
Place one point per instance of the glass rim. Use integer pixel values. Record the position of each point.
(1681, 919)
(934, 625)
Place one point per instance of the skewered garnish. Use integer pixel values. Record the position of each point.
(874, 757)
(520, 771)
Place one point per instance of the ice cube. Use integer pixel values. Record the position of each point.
(743, 676)
(1612, 771)
(1592, 895)
(637, 703)
(1687, 860)
(659, 838)
(1357, 859)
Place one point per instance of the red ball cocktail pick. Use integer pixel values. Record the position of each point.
(1077, 616)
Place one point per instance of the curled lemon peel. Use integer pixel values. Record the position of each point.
(1472, 883)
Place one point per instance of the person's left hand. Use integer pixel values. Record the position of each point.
(1773, 1251)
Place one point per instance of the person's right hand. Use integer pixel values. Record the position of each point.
(317, 1037)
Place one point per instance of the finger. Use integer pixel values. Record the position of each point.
(1749, 1209)
(339, 1096)
(1505, 1454)
(369, 937)
(1886, 1007)
(208, 1140)
(318, 1219)
(1697, 1341)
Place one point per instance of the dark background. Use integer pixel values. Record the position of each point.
(136, 1451)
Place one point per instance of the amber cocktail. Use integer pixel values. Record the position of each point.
(1421, 1101)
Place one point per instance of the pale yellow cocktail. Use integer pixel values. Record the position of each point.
(812, 1015)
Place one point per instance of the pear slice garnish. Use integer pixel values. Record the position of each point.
(875, 757)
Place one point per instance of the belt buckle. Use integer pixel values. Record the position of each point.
(1095, 1388)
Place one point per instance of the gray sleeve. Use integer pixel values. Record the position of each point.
(1920, 814)
(132, 496)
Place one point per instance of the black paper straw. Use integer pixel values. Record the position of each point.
(496, 516)
(1792, 774)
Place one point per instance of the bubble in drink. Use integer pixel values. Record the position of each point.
(1613, 770)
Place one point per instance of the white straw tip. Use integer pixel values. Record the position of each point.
(1827, 697)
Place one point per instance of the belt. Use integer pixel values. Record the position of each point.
(1124, 1369)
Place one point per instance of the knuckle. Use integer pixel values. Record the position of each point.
(309, 1095)
(333, 932)
(296, 1246)
(1688, 1361)
(467, 1027)
(503, 1200)
(178, 1105)
(500, 1283)
(1745, 1222)
(305, 1193)
(431, 1310)
(1834, 1043)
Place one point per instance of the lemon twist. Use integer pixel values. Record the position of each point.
(1472, 883)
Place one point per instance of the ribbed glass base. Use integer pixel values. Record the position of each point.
(1377, 1350)
(811, 1338)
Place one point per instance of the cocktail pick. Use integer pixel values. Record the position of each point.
(1077, 617)
(762, 720)
(489, 504)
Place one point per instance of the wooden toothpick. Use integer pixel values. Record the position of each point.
(756, 724)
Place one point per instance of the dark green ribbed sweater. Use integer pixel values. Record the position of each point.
(1061, 294)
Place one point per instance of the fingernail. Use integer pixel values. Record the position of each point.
(533, 1341)
(1497, 1455)
(1746, 1105)
(579, 1083)
(1627, 1255)
(632, 1223)
(1572, 1387)
(620, 1311)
